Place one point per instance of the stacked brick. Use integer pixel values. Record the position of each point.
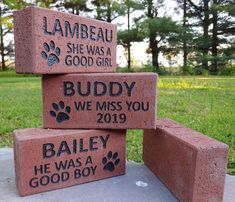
(81, 94)
(87, 108)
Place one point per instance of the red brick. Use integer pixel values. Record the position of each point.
(138, 88)
(32, 147)
(191, 165)
(36, 27)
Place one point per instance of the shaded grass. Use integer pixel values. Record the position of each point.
(20, 105)
(12, 73)
(205, 104)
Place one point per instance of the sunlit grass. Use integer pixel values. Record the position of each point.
(194, 83)
(205, 104)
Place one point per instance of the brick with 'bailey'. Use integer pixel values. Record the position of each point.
(49, 42)
(99, 100)
(47, 159)
(191, 165)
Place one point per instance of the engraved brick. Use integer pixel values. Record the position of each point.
(52, 159)
(191, 165)
(48, 42)
(107, 100)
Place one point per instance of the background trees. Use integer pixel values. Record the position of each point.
(201, 37)
(6, 29)
(214, 24)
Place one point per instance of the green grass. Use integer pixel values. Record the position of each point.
(206, 104)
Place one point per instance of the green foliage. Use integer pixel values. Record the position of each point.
(227, 70)
(128, 36)
(148, 68)
(108, 10)
(15, 5)
(151, 68)
(216, 19)
(184, 70)
(45, 3)
(6, 29)
(227, 6)
(75, 6)
(7, 21)
(158, 31)
(125, 69)
(133, 5)
(162, 26)
(188, 70)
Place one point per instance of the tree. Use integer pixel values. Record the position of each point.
(6, 28)
(45, 3)
(108, 10)
(222, 31)
(185, 51)
(201, 13)
(216, 18)
(97, 4)
(153, 42)
(157, 30)
(126, 37)
(130, 35)
(131, 7)
(72, 6)
(186, 36)
(75, 6)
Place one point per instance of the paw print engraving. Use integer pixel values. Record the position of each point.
(51, 53)
(111, 161)
(60, 112)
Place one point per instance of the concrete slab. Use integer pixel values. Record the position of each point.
(138, 184)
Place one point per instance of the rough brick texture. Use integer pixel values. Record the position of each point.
(191, 165)
(99, 100)
(49, 42)
(53, 159)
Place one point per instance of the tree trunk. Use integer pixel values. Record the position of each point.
(77, 11)
(214, 49)
(153, 45)
(206, 23)
(109, 12)
(98, 12)
(185, 52)
(155, 62)
(2, 48)
(154, 52)
(128, 43)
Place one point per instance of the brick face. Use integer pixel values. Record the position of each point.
(191, 165)
(47, 159)
(51, 42)
(107, 100)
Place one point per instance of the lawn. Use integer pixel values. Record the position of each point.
(206, 104)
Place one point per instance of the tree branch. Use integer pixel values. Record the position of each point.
(197, 9)
(10, 63)
(7, 32)
(115, 17)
